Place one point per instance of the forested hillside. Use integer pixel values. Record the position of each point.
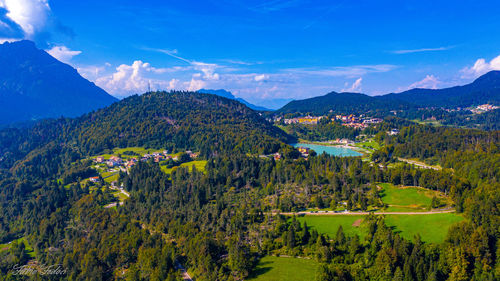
(219, 222)
(171, 120)
(446, 105)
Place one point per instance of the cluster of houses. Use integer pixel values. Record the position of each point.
(309, 120)
(484, 108)
(351, 120)
(115, 161)
(358, 122)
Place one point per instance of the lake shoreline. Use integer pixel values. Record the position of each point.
(345, 150)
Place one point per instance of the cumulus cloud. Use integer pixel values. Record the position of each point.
(62, 53)
(261, 77)
(195, 84)
(208, 69)
(480, 67)
(429, 82)
(129, 79)
(30, 15)
(355, 87)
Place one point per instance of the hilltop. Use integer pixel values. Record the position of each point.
(172, 120)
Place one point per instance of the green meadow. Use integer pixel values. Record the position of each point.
(352, 224)
(409, 199)
(431, 228)
(199, 164)
(27, 248)
(284, 269)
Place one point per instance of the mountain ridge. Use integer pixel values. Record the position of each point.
(35, 85)
(485, 89)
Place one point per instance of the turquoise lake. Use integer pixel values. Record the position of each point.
(332, 150)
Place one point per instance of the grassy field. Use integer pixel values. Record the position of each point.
(119, 195)
(428, 122)
(111, 177)
(330, 224)
(284, 269)
(409, 199)
(370, 144)
(431, 228)
(199, 164)
(29, 250)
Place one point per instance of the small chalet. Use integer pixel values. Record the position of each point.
(94, 179)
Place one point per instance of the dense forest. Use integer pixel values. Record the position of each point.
(220, 221)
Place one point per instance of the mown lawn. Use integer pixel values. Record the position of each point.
(199, 164)
(409, 199)
(284, 269)
(111, 177)
(330, 224)
(371, 144)
(431, 228)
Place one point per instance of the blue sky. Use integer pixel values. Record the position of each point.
(263, 50)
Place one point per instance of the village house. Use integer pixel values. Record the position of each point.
(99, 159)
(304, 150)
(158, 158)
(94, 179)
(191, 154)
(393, 132)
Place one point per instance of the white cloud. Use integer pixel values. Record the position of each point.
(429, 82)
(92, 72)
(173, 84)
(480, 67)
(208, 70)
(355, 87)
(261, 77)
(399, 52)
(62, 53)
(195, 84)
(30, 15)
(130, 79)
(344, 71)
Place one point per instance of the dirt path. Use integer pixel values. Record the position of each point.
(185, 275)
(418, 163)
(319, 213)
(117, 203)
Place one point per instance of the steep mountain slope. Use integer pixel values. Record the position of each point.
(229, 95)
(35, 85)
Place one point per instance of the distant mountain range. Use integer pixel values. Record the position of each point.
(229, 95)
(34, 85)
(485, 89)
